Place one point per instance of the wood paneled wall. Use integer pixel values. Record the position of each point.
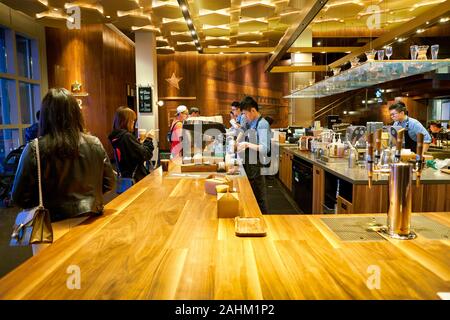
(102, 61)
(217, 80)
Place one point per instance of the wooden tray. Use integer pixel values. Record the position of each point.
(199, 167)
(249, 227)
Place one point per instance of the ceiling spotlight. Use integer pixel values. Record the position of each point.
(401, 40)
(323, 52)
(319, 43)
(364, 101)
(189, 21)
(420, 30)
(55, 9)
(160, 103)
(247, 53)
(221, 52)
(428, 22)
(444, 20)
(108, 17)
(183, 7)
(193, 32)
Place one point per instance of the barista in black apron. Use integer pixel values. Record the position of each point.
(252, 161)
(409, 142)
(398, 113)
(253, 170)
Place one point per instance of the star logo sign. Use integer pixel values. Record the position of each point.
(173, 81)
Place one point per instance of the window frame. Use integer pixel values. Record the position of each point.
(18, 79)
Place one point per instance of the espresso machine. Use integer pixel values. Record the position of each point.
(400, 182)
(356, 140)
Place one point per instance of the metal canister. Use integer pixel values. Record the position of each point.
(400, 201)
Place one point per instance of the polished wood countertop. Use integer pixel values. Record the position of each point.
(162, 240)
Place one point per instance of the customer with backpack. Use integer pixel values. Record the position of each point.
(175, 134)
(130, 152)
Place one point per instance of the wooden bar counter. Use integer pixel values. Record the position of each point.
(162, 240)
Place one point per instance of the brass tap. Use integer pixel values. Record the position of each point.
(419, 157)
(370, 158)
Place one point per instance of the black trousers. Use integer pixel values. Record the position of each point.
(258, 184)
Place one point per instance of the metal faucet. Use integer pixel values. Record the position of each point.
(400, 185)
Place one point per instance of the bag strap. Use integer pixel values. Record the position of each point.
(174, 125)
(38, 160)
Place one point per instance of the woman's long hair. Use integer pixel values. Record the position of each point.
(61, 120)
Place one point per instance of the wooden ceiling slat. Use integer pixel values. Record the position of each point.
(295, 31)
(287, 69)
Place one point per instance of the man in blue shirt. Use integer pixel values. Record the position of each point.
(412, 126)
(256, 148)
(238, 119)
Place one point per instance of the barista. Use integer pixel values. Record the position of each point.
(238, 119)
(398, 113)
(436, 131)
(256, 144)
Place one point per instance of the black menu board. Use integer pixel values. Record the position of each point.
(145, 100)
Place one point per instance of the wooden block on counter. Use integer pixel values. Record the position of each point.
(249, 227)
(222, 188)
(227, 205)
(214, 180)
(192, 167)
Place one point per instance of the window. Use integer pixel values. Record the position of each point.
(9, 140)
(19, 88)
(29, 101)
(8, 102)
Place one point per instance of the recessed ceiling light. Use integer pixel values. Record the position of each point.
(183, 7)
(221, 52)
(319, 43)
(420, 30)
(193, 32)
(189, 21)
(428, 22)
(323, 52)
(247, 53)
(108, 17)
